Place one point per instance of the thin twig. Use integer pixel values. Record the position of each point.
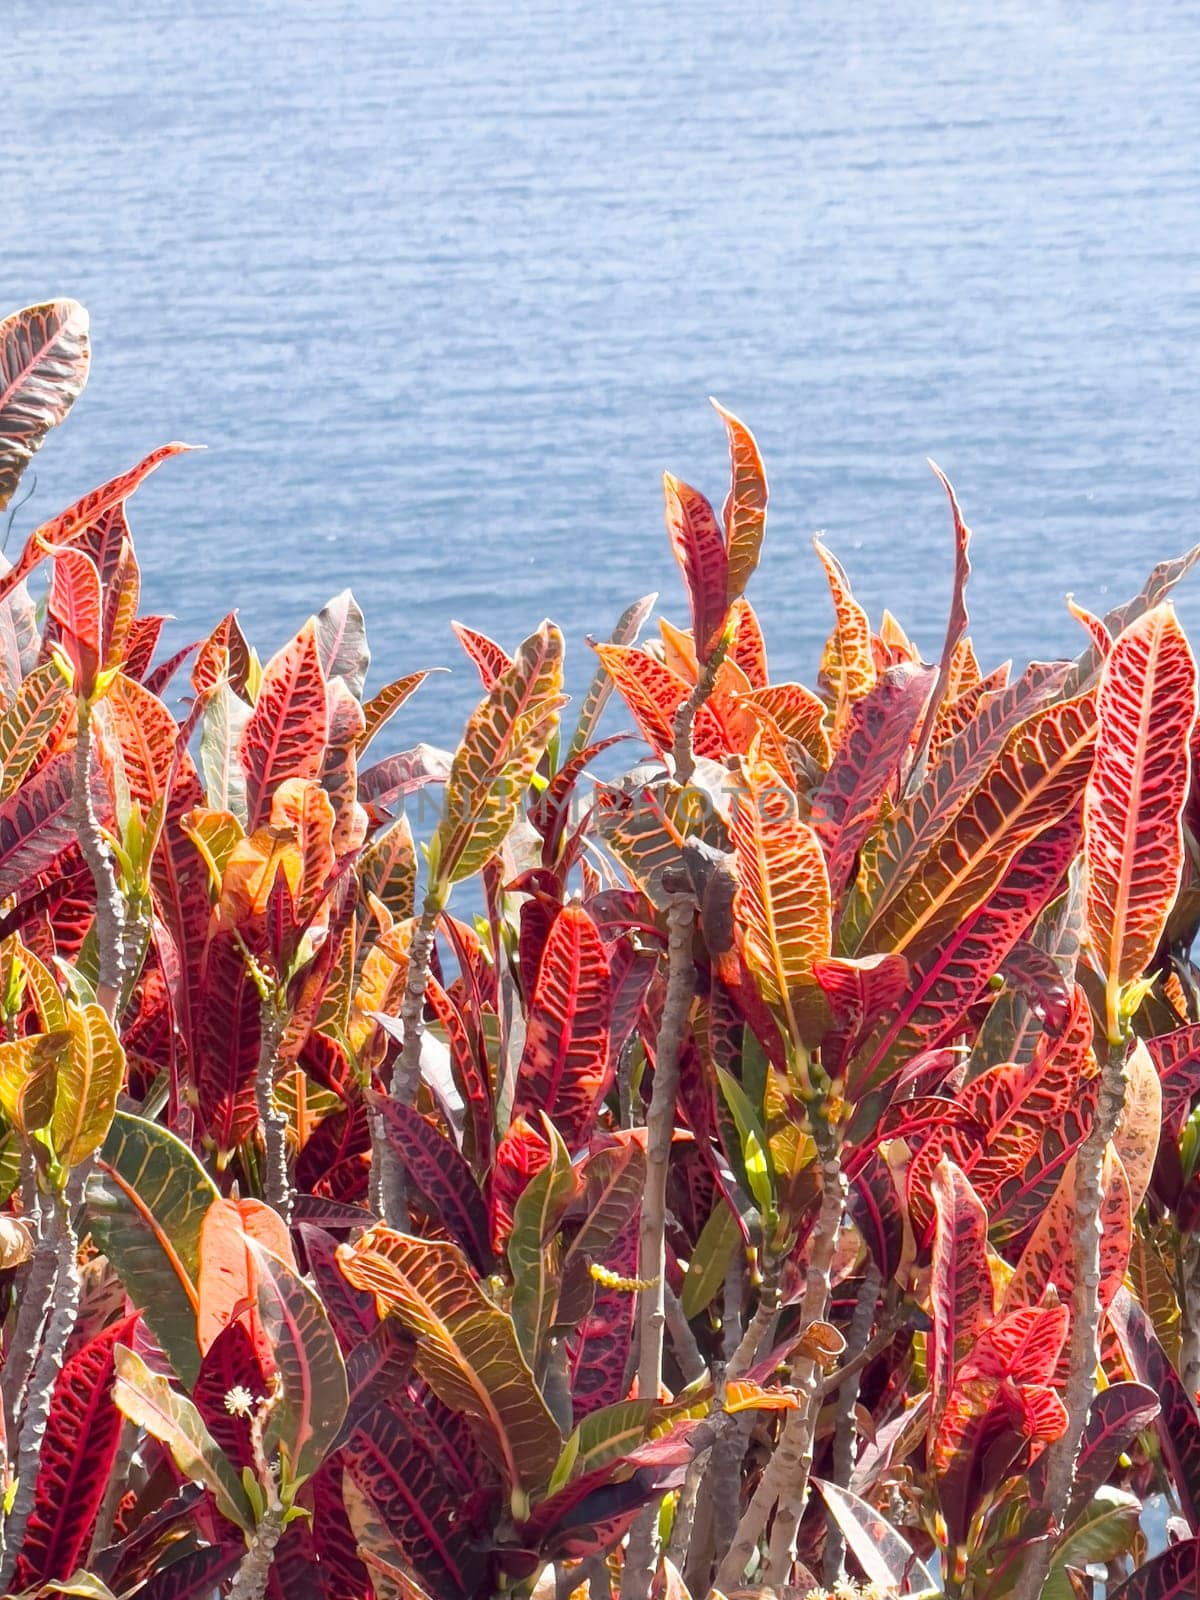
(692, 1364)
(683, 757)
(389, 1186)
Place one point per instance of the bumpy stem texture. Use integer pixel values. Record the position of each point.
(1189, 1354)
(110, 904)
(45, 1373)
(1085, 1319)
(251, 1579)
(277, 1189)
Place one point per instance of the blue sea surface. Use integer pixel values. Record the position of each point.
(444, 288)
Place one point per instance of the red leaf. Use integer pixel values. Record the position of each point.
(391, 1459)
(77, 1455)
(75, 605)
(748, 649)
(745, 511)
(1177, 1057)
(948, 981)
(230, 1362)
(224, 655)
(1177, 1423)
(598, 1350)
(960, 1287)
(859, 991)
(566, 1067)
(227, 1028)
(491, 661)
(72, 523)
(956, 625)
(437, 1168)
(698, 543)
(344, 1575)
(867, 767)
(1173, 1575)
(36, 823)
(285, 736)
(1132, 832)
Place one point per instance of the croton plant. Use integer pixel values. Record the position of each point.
(773, 1172)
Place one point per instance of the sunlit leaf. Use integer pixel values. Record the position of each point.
(148, 1400)
(44, 356)
(1133, 844)
(467, 1349)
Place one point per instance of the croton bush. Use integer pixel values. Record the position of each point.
(773, 1171)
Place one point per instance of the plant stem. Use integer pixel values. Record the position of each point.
(847, 1398)
(110, 903)
(46, 1369)
(683, 757)
(277, 1189)
(687, 1351)
(785, 1478)
(660, 1127)
(1085, 1320)
(36, 1296)
(251, 1579)
(388, 1186)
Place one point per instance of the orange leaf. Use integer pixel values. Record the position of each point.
(1132, 832)
(745, 510)
(228, 1282)
(848, 665)
(742, 1396)
(783, 891)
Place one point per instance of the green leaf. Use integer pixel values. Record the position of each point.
(710, 1260)
(146, 1201)
(1104, 1529)
(532, 1255)
(149, 1402)
(601, 1437)
(754, 1145)
(312, 1406)
(89, 1077)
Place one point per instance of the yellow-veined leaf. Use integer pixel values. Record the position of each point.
(467, 1349)
(502, 744)
(1132, 833)
(782, 902)
(745, 510)
(1037, 780)
(90, 1075)
(41, 709)
(848, 665)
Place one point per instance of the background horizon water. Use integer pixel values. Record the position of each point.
(444, 289)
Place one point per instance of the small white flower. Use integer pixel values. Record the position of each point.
(239, 1402)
